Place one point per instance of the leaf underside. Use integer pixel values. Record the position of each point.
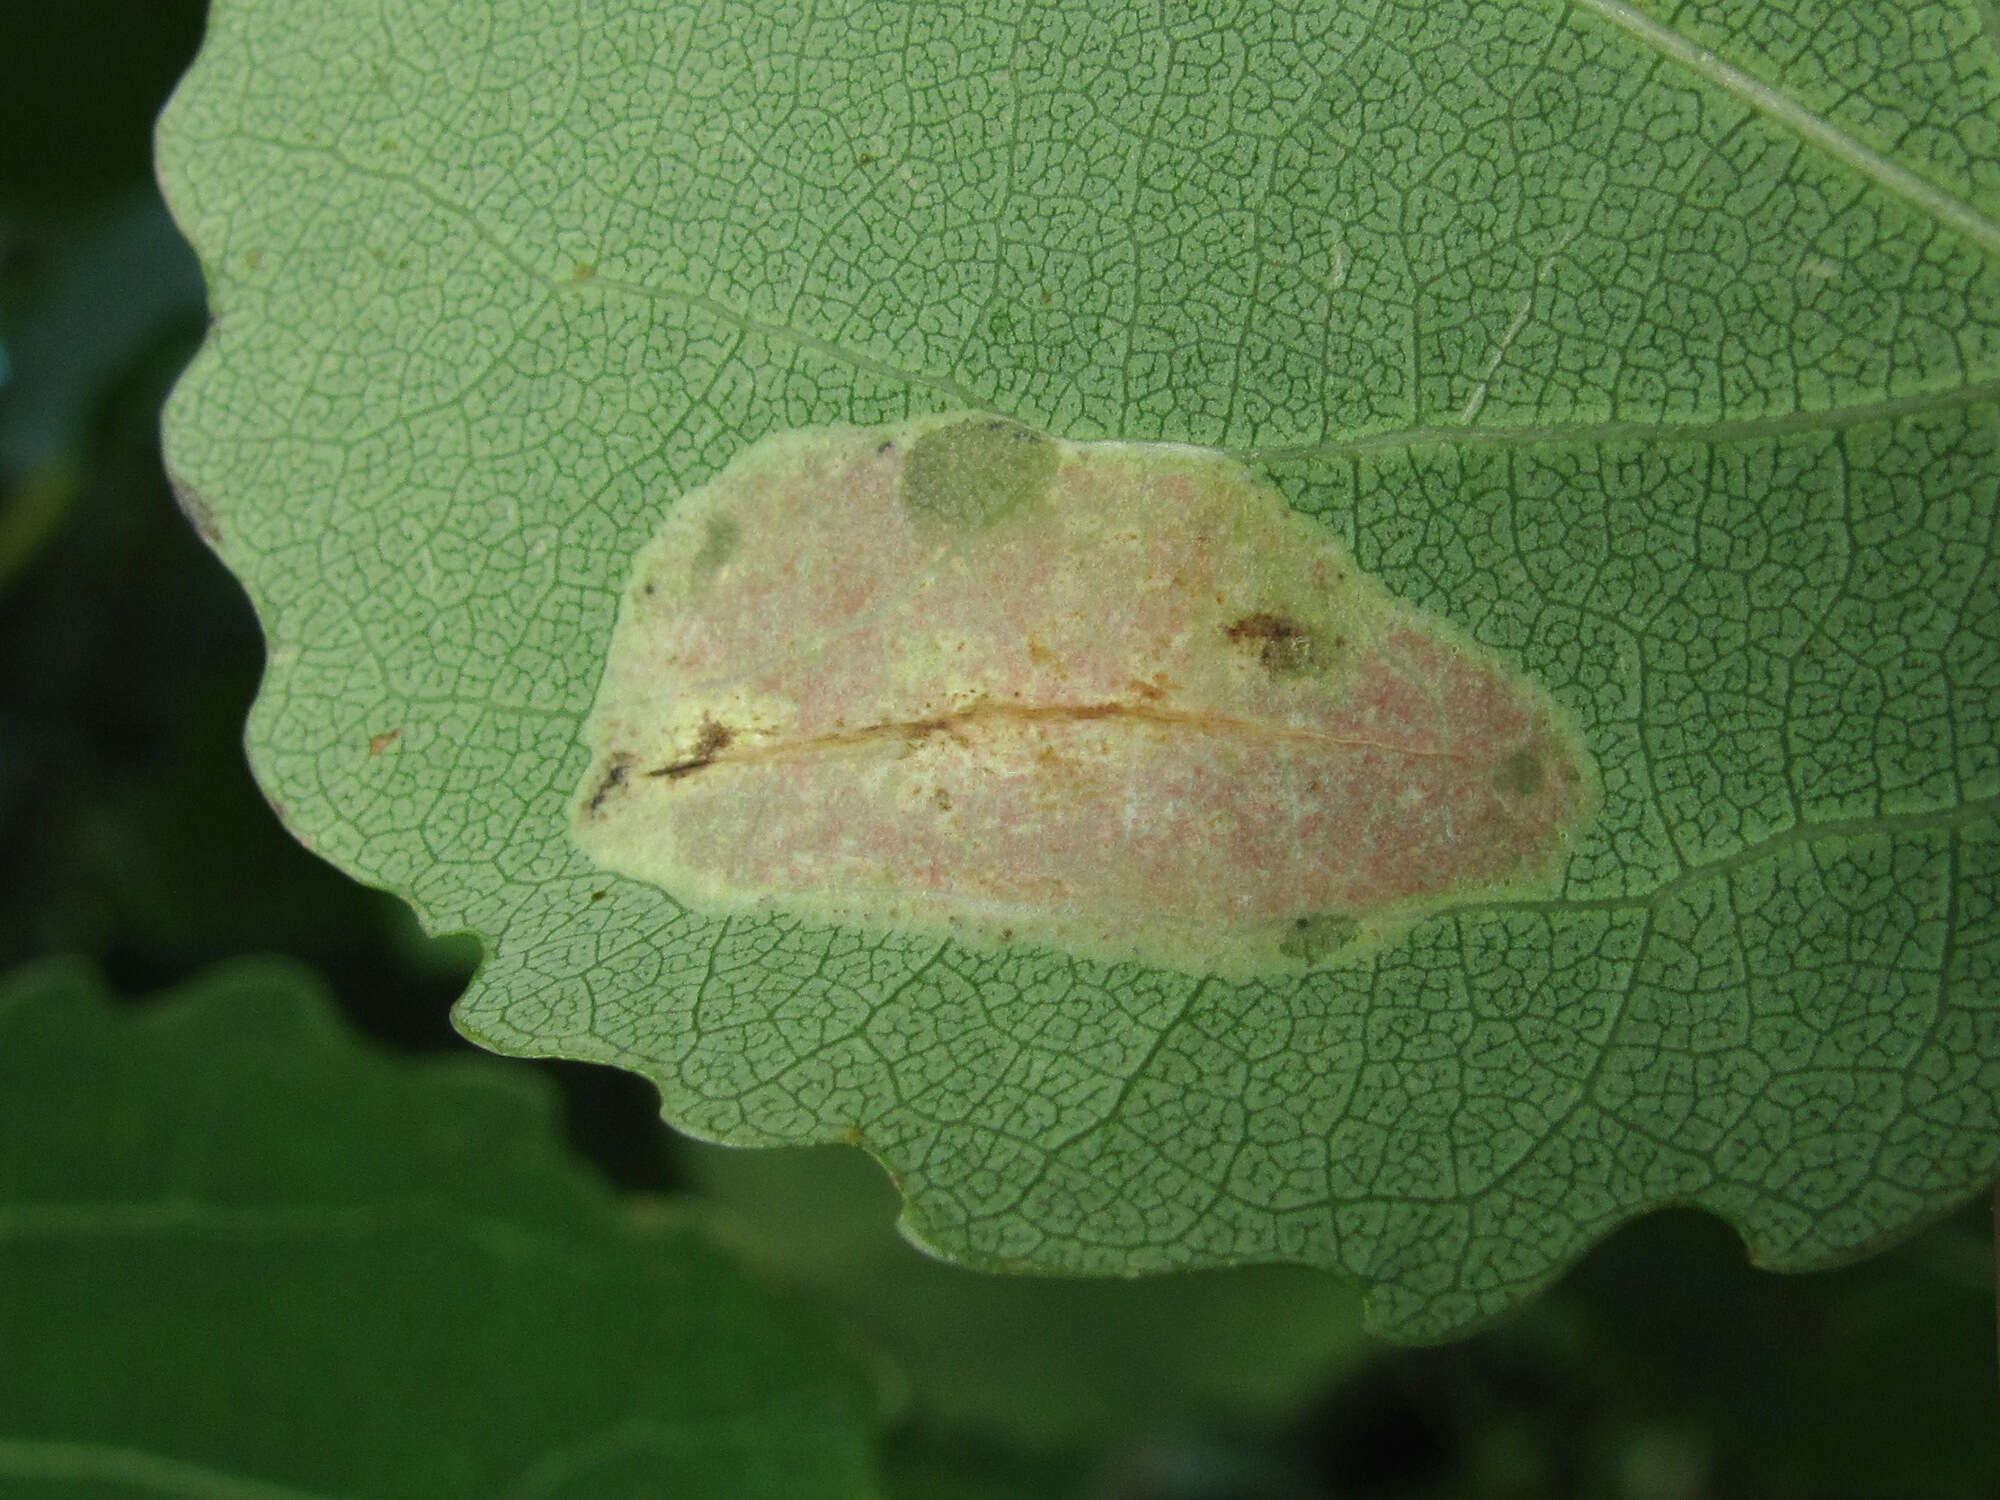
(1657, 349)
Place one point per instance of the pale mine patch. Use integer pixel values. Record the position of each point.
(958, 677)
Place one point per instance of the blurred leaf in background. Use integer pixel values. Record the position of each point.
(241, 1255)
(1664, 1367)
(1046, 1364)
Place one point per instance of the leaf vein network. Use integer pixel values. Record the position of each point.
(1948, 212)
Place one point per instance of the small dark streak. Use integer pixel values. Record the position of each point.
(682, 768)
(613, 779)
(651, 589)
(887, 447)
(599, 895)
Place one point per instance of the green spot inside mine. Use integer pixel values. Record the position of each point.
(718, 546)
(1519, 775)
(970, 474)
(1314, 938)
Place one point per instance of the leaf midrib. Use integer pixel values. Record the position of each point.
(754, 750)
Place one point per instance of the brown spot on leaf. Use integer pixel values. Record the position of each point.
(1283, 646)
(712, 740)
(380, 742)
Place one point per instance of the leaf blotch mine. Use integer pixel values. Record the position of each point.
(973, 681)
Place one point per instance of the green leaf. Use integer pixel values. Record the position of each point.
(239, 1255)
(1657, 349)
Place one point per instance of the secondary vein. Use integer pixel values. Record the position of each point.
(1766, 100)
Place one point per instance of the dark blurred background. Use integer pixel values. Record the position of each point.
(132, 832)
(130, 828)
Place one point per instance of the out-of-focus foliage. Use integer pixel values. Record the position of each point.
(1047, 1364)
(239, 1254)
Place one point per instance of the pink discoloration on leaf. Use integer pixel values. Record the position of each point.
(1134, 706)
